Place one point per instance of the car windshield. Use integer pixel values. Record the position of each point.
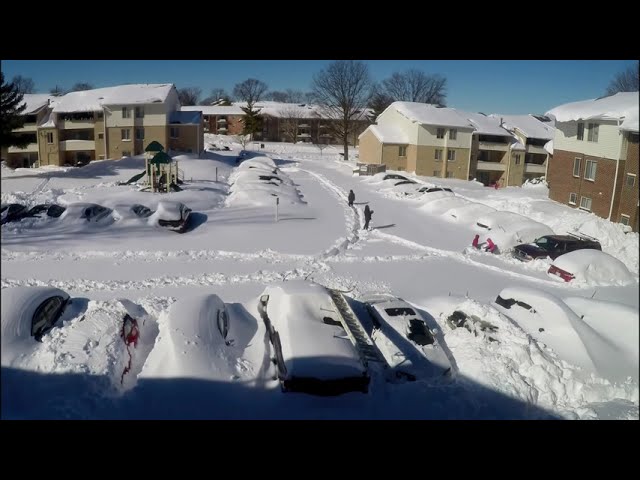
(419, 333)
(394, 312)
(546, 243)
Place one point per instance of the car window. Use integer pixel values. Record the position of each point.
(46, 315)
(223, 323)
(505, 302)
(394, 312)
(419, 333)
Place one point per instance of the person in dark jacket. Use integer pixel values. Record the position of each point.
(367, 216)
(351, 198)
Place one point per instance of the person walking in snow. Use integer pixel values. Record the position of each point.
(351, 198)
(474, 243)
(367, 216)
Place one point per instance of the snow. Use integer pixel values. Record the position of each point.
(96, 99)
(428, 114)
(486, 125)
(594, 267)
(614, 107)
(630, 122)
(530, 126)
(35, 101)
(237, 250)
(388, 133)
(167, 210)
(213, 109)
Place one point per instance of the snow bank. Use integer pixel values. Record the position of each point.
(593, 267)
(618, 106)
(468, 212)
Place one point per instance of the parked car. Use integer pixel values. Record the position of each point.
(552, 246)
(89, 212)
(508, 229)
(394, 176)
(49, 209)
(201, 338)
(434, 189)
(313, 353)
(591, 266)
(12, 212)
(410, 348)
(172, 215)
(475, 325)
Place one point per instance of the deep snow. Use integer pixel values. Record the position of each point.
(416, 249)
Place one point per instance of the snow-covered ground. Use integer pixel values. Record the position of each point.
(417, 249)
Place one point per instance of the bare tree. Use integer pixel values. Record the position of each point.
(277, 96)
(321, 146)
(627, 81)
(24, 84)
(242, 140)
(294, 96)
(416, 86)
(308, 97)
(342, 90)
(189, 95)
(80, 86)
(289, 119)
(250, 91)
(218, 96)
(56, 91)
(378, 102)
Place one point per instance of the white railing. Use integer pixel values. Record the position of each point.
(491, 166)
(76, 145)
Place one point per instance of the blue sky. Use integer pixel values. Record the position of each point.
(490, 86)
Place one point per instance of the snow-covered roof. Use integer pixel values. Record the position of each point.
(486, 125)
(388, 133)
(35, 101)
(193, 117)
(213, 109)
(630, 122)
(93, 100)
(518, 146)
(429, 114)
(614, 107)
(530, 126)
(49, 120)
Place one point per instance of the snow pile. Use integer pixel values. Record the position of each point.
(614, 107)
(593, 267)
(467, 213)
(537, 182)
(528, 125)
(508, 229)
(432, 115)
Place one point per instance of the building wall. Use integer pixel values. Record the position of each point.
(629, 194)
(370, 148)
(562, 182)
(98, 135)
(187, 140)
(391, 117)
(608, 145)
(515, 173)
(49, 153)
(391, 158)
(426, 164)
(428, 135)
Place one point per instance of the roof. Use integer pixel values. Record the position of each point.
(94, 100)
(188, 117)
(630, 122)
(530, 126)
(35, 101)
(429, 114)
(388, 133)
(48, 121)
(161, 157)
(614, 107)
(486, 125)
(213, 109)
(154, 147)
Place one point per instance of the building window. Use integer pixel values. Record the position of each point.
(593, 133)
(453, 134)
(576, 167)
(573, 198)
(126, 153)
(436, 173)
(139, 133)
(402, 151)
(100, 136)
(518, 159)
(624, 219)
(174, 132)
(438, 154)
(585, 203)
(50, 138)
(440, 133)
(580, 131)
(449, 174)
(590, 170)
(451, 155)
(126, 113)
(126, 134)
(631, 180)
(139, 112)
(101, 157)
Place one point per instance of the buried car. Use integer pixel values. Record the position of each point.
(12, 212)
(508, 229)
(172, 215)
(590, 266)
(313, 352)
(552, 246)
(410, 348)
(90, 212)
(199, 337)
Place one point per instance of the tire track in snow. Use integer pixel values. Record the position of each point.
(40, 187)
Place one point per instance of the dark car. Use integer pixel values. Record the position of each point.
(553, 246)
(12, 212)
(394, 176)
(50, 209)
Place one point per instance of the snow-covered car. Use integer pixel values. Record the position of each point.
(508, 229)
(410, 348)
(468, 212)
(48, 209)
(201, 338)
(12, 212)
(45, 330)
(172, 215)
(552, 246)
(89, 212)
(128, 212)
(313, 353)
(551, 321)
(433, 189)
(591, 266)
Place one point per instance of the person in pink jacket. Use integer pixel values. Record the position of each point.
(490, 246)
(474, 243)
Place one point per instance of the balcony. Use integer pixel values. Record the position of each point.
(76, 123)
(222, 120)
(495, 146)
(491, 166)
(30, 148)
(304, 125)
(536, 149)
(28, 127)
(222, 129)
(77, 145)
(534, 168)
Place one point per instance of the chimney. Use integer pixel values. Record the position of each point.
(501, 122)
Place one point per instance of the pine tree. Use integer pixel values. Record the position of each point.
(11, 108)
(252, 121)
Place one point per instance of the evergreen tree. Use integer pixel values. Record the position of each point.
(11, 108)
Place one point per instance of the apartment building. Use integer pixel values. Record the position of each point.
(595, 157)
(447, 143)
(220, 119)
(111, 122)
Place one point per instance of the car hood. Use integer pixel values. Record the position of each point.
(532, 250)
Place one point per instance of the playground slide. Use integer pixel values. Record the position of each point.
(135, 178)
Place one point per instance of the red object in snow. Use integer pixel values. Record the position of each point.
(495, 185)
(490, 245)
(130, 334)
(474, 243)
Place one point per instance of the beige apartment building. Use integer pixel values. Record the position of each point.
(112, 122)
